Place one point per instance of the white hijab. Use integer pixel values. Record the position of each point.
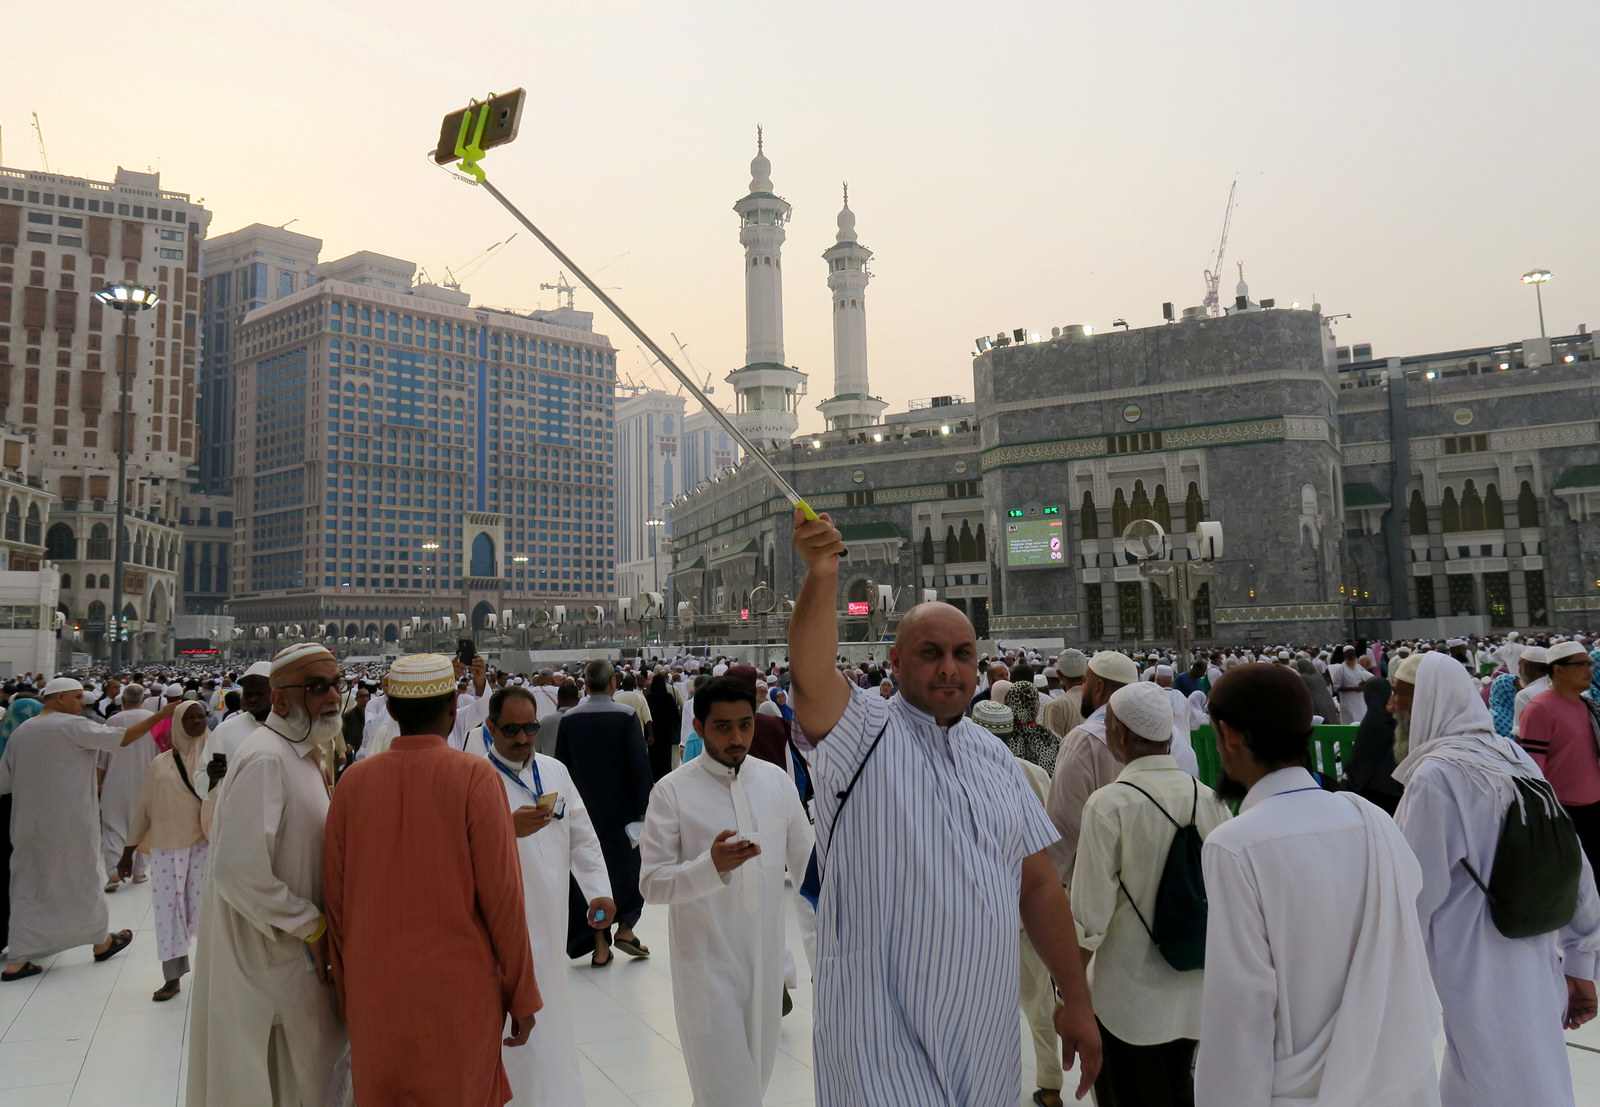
(1450, 721)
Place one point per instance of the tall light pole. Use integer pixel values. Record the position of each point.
(1537, 278)
(130, 299)
(655, 526)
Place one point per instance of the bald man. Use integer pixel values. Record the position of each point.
(263, 1028)
(933, 903)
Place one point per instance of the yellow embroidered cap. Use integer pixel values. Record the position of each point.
(421, 675)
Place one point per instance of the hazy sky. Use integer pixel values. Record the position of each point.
(1010, 164)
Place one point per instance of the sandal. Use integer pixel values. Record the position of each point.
(120, 941)
(594, 959)
(631, 946)
(1039, 1097)
(28, 969)
(166, 991)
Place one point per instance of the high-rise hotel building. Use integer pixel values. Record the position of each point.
(401, 453)
(61, 240)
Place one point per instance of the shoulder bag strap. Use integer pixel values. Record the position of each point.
(844, 796)
(1158, 807)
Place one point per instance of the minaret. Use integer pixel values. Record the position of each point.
(766, 388)
(852, 405)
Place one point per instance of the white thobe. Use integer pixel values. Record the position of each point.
(119, 791)
(259, 1018)
(725, 930)
(1316, 983)
(58, 896)
(1525, 697)
(1182, 747)
(1504, 998)
(471, 711)
(1347, 684)
(545, 1071)
(226, 740)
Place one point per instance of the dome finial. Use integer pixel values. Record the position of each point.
(846, 193)
(760, 167)
(758, 138)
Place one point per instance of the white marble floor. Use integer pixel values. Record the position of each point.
(87, 1035)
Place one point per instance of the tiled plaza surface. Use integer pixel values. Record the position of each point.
(88, 1035)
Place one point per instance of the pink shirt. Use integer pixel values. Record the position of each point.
(1557, 734)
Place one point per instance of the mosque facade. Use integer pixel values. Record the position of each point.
(1356, 496)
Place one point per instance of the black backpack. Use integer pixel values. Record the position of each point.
(1178, 924)
(1533, 887)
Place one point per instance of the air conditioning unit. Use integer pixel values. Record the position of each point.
(1210, 540)
(559, 615)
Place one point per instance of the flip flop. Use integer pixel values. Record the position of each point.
(631, 946)
(120, 941)
(166, 991)
(27, 970)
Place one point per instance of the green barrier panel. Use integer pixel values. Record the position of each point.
(1331, 747)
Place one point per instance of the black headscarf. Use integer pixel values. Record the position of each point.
(1321, 700)
(1372, 760)
(665, 716)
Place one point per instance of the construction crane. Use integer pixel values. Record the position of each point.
(563, 288)
(684, 350)
(39, 133)
(1213, 303)
(467, 268)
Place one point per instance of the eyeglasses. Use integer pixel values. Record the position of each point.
(320, 687)
(512, 730)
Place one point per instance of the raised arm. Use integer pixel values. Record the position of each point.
(144, 726)
(820, 691)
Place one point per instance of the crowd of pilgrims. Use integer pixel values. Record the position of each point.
(382, 873)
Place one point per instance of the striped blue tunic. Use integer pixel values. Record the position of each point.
(917, 927)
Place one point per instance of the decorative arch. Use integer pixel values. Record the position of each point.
(391, 632)
(1449, 513)
(483, 559)
(1119, 514)
(31, 528)
(1494, 512)
(927, 546)
(1472, 515)
(66, 580)
(967, 543)
(99, 543)
(1527, 507)
(1194, 508)
(482, 611)
(14, 520)
(1088, 518)
(60, 544)
(351, 630)
(1161, 510)
(1419, 514)
(952, 546)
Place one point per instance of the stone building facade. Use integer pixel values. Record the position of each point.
(61, 240)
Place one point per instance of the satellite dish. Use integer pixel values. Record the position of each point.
(1144, 539)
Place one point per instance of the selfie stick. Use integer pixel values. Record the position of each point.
(470, 154)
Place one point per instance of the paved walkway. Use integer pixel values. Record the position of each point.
(87, 1035)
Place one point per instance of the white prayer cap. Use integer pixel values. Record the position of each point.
(1114, 666)
(1145, 710)
(996, 717)
(291, 658)
(1041, 681)
(998, 690)
(1072, 663)
(421, 675)
(58, 685)
(259, 669)
(1164, 670)
(1406, 671)
(1535, 654)
(1454, 642)
(1283, 655)
(173, 692)
(1562, 652)
(1512, 636)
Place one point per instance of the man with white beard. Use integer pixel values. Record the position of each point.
(263, 1029)
(1506, 1000)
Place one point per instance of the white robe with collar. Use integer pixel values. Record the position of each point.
(726, 930)
(545, 1071)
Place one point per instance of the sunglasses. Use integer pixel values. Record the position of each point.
(512, 730)
(320, 687)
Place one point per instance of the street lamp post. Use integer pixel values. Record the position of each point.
(130, 299)
(1537, 278)
(655, 526)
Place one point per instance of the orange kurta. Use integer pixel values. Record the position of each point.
(426, 928)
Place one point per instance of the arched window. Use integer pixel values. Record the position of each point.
(1527, 507)
(1194, 509)
(1449, 513)
(100, 543)
(927, 545)
(14, 520)
(1494, 512)
(30, 529)
(967, 543)
(1419, 514)
(1162, 510)
(1141, 501)
(483, 556)
(60, 544)
(1119, 514)
(66, 580)
(1088, 518)
(97, 612)
(1471, 508)
(105, 580)
(138, 551)
(952, 547)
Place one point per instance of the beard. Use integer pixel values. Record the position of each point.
(323, 729)
(1229, 790)
(1402, 735)
(1087, 704)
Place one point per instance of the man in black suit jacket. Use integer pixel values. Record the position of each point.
(601, 742)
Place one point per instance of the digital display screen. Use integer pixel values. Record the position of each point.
(1034, 542)
(860, 608)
